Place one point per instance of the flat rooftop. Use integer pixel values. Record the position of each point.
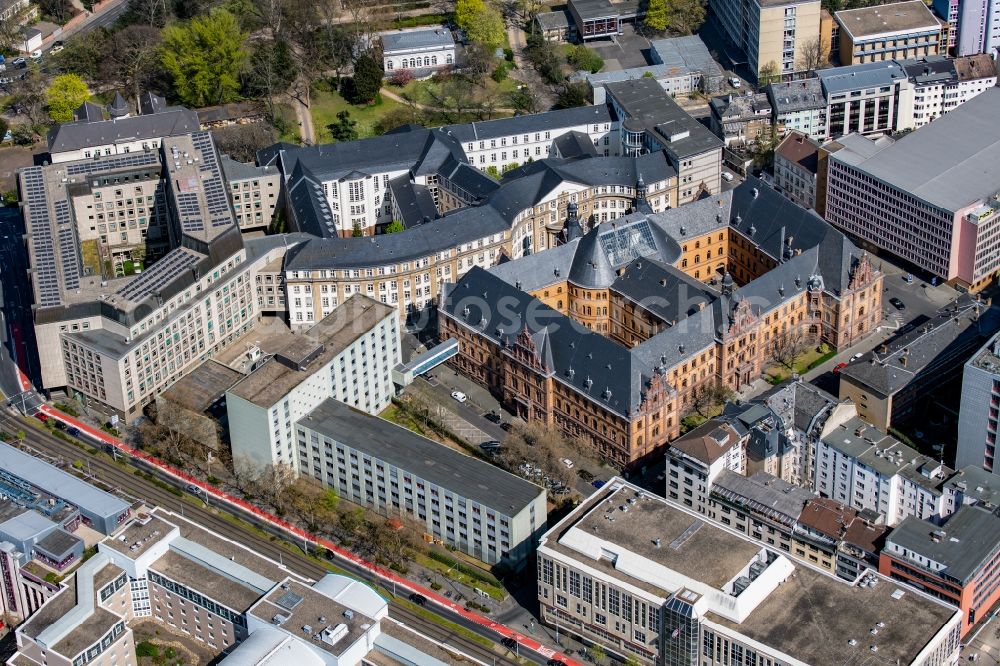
(303, 607)
(898, 17)
(688, 545)
(435, 463)
(208, 581)
(336, 332)
(199, 389)
(813, 616)
(967, 542)
(138, 536)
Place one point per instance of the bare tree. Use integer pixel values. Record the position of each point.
(786, 347)
(246, 475)
(241, 142)
(132, 59)
(815, 54)
(10, 29)
(709, 396)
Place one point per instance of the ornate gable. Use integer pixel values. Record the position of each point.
(862, 273)
(741, 319)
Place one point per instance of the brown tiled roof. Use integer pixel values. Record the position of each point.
(979, 66)
(866, 536)
(708, 442)
(799, 149)
(827, 516)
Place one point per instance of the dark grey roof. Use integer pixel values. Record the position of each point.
(591, 9)
(463, 475)
(798, 403)
(609, 247)
(152, 103)
(422, 38)
(967, 542)
(417, 149)
(763, 493)
(663, 290)
(88, 112)
(118, 107)
(735, 107)
(468, 178)
(463, 226)
(804, 95)
(592, 364)
(59, 542)
(528, 124)
(950, 337)
(858, 77)
(235, 170)
(81, 134)
(930, 69)
(574, 144)
(415, 201)
(554, 20)
(649, 108)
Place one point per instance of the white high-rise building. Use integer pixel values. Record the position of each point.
(980, 409)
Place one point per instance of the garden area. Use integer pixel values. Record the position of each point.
(798, 360)
(327, 102)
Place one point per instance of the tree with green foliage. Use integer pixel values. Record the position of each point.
(586, 59)
(572, 94)
(271, 72)
(487, 28)
(596, 653)
(680, 16)
(466, 12)
(205, 56)
(344, 128)
(656, 15)
(768, 74)
(395, 227)
(64, 95)
(356, 231)
(367, 80)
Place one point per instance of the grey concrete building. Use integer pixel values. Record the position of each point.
(979, 413)
(469, 504)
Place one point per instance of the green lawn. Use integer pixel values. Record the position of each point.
(326, 104)
(806, 361)
(419, 91)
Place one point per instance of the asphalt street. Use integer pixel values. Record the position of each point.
(16, 331)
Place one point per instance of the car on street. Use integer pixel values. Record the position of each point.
(193, 489)
(840, 366)
(726, 176)
(897, 303)
(908, 278)
(73, 432)
(567, 462)
(584, 475)
(418, 599)
(598, 483)
(493, 417)
(857, 356)
(459, 396)
(508, 643)
(556, 662)
(42, 417)
(506, 425)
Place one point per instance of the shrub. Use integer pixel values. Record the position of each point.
(146, 649)
(435, 585)
(400, 77)
(499, 74)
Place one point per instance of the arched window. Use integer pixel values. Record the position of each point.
(697, 258)
(434, 60)
(388, 64)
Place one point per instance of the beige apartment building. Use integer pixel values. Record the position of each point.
(770, 32)
(897, 31)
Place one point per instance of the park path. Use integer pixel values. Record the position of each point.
(426, 107)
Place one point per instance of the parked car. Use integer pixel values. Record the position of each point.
(193, 489)
(491, 446)
(857, 356)
(908, 278)
(56, 48)
(584, 475)
(898, 304)
(42, 417)
(73, 432)
(567, 462)
(506, 425)
(36, 54)
(598, 483)
(459, 396)
(493, 416)
(735, 82)
(726, 176)
(840, 366)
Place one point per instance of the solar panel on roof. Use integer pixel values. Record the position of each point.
(68, 256)
(162, 273)
(40, 228)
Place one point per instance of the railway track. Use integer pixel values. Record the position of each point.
(141, 488)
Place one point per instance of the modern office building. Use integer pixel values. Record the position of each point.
(958, 562)
(796, 163)
(889, 383)
(899, 30)
(462, 501)
(255, 192)
(771, 33)
(138, 269)
(977, 25)
(348, 355)
(654, 581)
(862, 467)
(240, 606)
(865, 99)
(24, 474)
(422, 50)
(941, 214)
(979, 413)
